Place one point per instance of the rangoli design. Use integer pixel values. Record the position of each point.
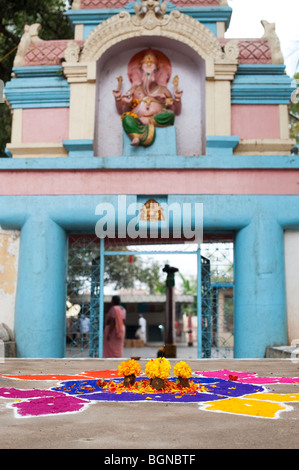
(223, 391)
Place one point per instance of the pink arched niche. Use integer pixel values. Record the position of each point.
(181, 60)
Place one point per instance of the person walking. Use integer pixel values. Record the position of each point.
(141, 331)
(114, 330)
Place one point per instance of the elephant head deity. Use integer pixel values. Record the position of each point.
(148, 103)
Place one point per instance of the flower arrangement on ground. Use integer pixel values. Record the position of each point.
(130, 369)
(158, 370)
(183, 372)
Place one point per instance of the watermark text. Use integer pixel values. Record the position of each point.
(138, 220)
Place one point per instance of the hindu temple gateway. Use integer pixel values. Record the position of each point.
(149, 101)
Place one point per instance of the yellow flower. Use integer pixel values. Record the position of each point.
(181, 369)
(134, 115)
(159, 367)
(130, 367)
(135, 102)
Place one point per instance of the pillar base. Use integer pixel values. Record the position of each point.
(170, 350)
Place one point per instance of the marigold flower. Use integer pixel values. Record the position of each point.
(130, 367)
(143, 387)
(233, 377)
(181, 369)
(159, 367)
(135, 102)
(134, 115)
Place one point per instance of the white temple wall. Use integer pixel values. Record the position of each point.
(9, 254)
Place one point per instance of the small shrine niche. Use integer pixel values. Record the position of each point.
(180, 75)
(148, 104)
(151, 211)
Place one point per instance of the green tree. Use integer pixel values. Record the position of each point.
(123, 271)
(14, 14)
(189, 285)
(131, 272)
(294, 114)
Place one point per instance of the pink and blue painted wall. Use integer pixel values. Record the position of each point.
(241, 169)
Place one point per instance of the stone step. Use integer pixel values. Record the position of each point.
(282, 351)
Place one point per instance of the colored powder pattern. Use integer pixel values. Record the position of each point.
(215, 389)
(244, 406)
(219, 391)
(83, 375)
(277, 397)
(23, 394)
(41, 402)
(49, 405)
(248, 377)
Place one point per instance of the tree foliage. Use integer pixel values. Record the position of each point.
(294, 115)
(131, 272)
(14, 14)
(122, 271)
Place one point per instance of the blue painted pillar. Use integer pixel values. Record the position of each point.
(260, 305)
(40, 318)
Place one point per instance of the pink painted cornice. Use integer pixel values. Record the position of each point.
(205, 181)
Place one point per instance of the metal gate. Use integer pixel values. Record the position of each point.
(206, 308)
(86, 273)
(221, 296)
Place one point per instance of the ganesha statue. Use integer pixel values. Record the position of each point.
(148, 103)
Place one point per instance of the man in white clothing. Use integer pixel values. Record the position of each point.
(141, 331)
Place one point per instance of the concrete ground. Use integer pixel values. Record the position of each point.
(150, 425)
(150, 351)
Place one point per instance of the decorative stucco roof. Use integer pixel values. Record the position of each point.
(254, 51)
(93, 4)
(46, 52)
(34, 51)
(251, 51)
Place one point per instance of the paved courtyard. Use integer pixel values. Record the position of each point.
(150, 351)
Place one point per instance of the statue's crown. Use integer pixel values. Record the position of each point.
(149, 59)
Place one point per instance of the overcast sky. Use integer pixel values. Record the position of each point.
(246, 23)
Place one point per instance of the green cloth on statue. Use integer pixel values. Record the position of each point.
(146, 132)
(166, 118)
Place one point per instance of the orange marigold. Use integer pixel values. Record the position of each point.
(130, 367)
(135, 102)
(130, 113)
(181, 369)
(159, 367)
